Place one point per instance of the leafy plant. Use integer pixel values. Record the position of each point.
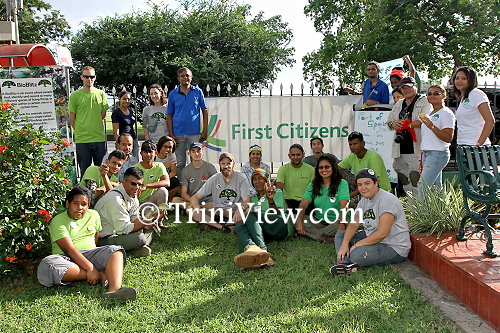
(440, 210)
(33, 178)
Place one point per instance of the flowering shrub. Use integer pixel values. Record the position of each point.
(33, 182)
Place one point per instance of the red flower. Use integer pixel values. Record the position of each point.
(0, 232)
(5, 105)
(65, 181)
(66, 142)
(28, 246)
(56, 166)
(34, 142)
(45, 214)
(11, 259)
(3, 148)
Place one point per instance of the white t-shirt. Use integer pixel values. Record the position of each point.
(469, 121)
(444, 118)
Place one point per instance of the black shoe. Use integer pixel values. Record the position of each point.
(343, 269)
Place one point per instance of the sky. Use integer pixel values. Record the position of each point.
(305, 39)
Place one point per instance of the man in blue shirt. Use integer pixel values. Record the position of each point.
(375, 91)
(185, 104)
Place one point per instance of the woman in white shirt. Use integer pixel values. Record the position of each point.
(475, 120)
(437, 133)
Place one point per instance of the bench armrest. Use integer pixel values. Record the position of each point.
(488, 190)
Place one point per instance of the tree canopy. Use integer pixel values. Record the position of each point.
(439, 35)
(39, 23)
(216, 39)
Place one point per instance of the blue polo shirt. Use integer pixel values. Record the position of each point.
(380, 91)
(186, 110)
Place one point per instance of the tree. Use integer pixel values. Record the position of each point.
(214, 38)
(39, 23)
(440, 35)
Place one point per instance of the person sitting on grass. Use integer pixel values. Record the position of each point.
(166, 155)
(194, 176)
(75, 257)
(255, 162)
(251, 233)
(125, 143)
(317, 148)
(121, 220)
(156, 180)
(328, 193)
(104, 175)
(227, 188)
(385, 238)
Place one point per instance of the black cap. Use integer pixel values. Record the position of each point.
(195, 144)
(408, 81)
(366, 173)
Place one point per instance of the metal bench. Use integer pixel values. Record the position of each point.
(480, 179)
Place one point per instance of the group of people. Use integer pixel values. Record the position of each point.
(310, 195)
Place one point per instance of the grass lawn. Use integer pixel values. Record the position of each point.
(190, 284)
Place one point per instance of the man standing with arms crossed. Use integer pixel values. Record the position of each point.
(87, 109)
(185, 104)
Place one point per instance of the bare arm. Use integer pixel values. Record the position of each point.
(279, 185)
(170, 126)
(69, 249)
(116, 130)
(487, 114)
(299, 225)
(72, 118)
(411, 67)
(204, 132)
(184, 194)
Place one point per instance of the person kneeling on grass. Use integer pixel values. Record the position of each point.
(385, 238)
(251, 233)
(75, 256)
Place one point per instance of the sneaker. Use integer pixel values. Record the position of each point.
(252, 256)
(343, 269)
(122, 294)
(144, 251)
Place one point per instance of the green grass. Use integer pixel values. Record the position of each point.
(190, 284)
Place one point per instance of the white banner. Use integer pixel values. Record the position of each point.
(386, 68)
(377, 136)
(34, 98)
(275, 123)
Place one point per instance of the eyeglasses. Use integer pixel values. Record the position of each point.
(326, 167)
(136, 184)
(434, 93)
(89, 76)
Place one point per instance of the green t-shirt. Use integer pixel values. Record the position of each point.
(151, 176)
(81, 232)
(93, 172)
(371, 160)
(295, 180)
(279, 201)
(324, 201)
(87, 107)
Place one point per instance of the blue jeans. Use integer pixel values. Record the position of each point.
(368, 255)
(433, 163)
(180, 152)
(86, 153)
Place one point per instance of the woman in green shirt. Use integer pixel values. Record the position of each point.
(329, 194)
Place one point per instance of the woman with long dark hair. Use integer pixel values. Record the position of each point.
(475, 120)
(123, 120)
(329, 193)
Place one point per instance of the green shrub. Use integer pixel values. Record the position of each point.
(440, 210)
(33, 181)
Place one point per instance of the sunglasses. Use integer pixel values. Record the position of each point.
(434, 93)
(326, 167)
(89, 76)
(136, 184)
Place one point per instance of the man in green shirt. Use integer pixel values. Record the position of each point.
(75, 256)
(362, 158)
(87, 109)
(104, 176)
(294, 177)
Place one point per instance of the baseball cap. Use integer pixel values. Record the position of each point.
(226, 155)
(195, 144)
(366, 173)
(397, 72)
(409, 81)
